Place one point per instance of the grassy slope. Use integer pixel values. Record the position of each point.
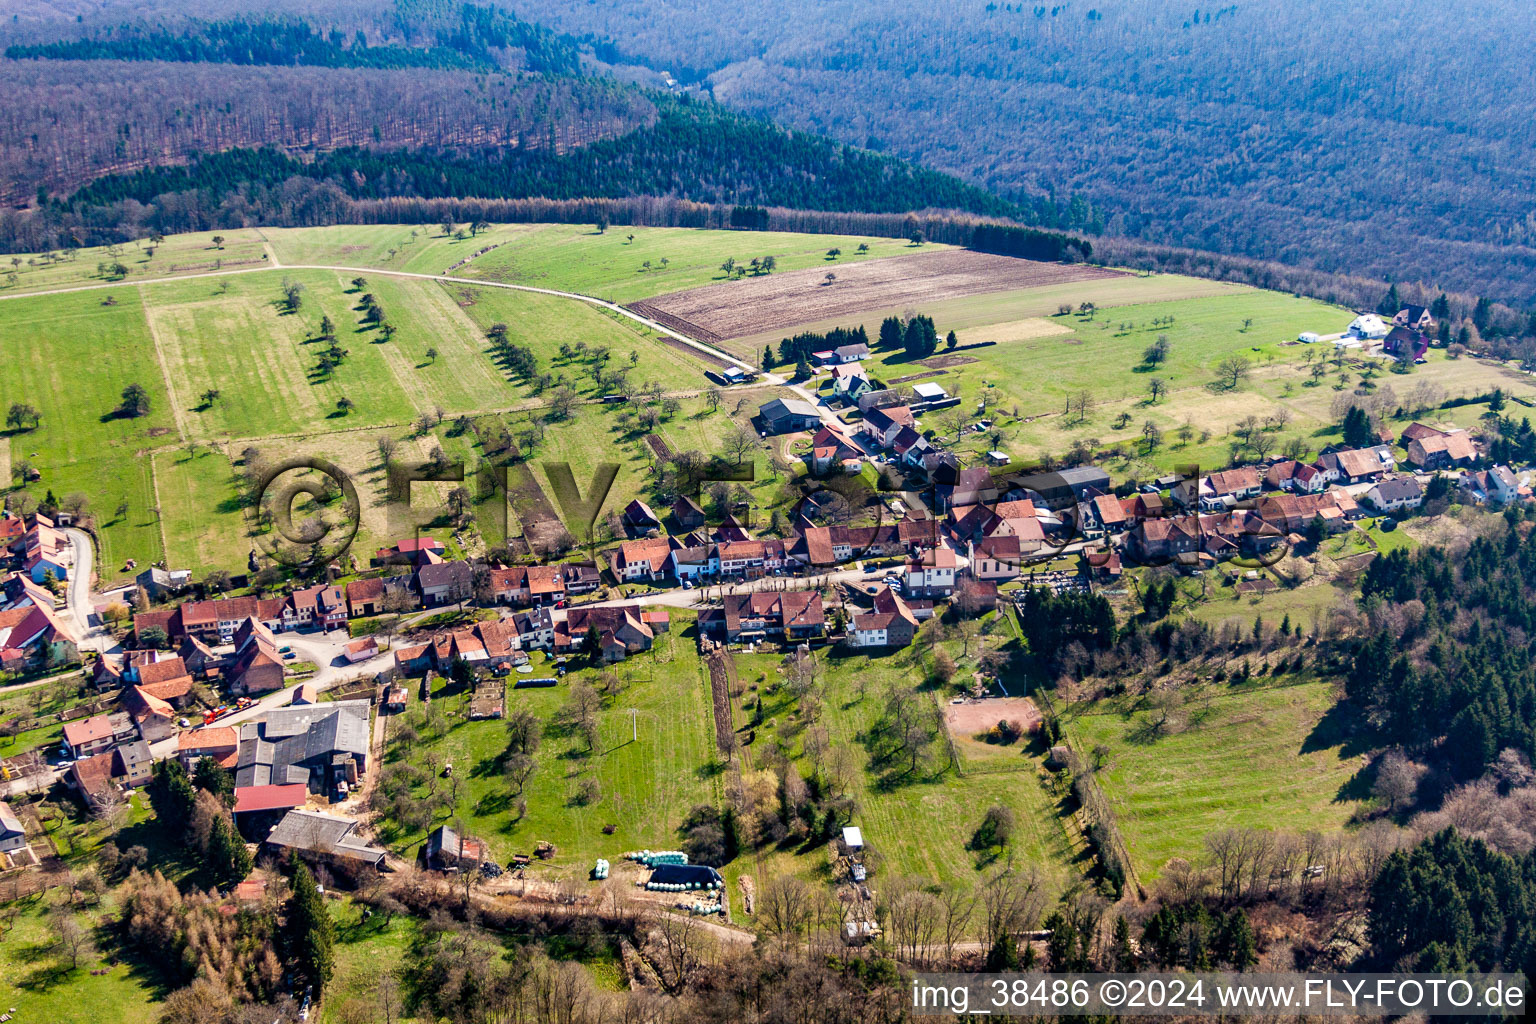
(647, 784)
(1267, 758)
(179, 255)
(576, 258)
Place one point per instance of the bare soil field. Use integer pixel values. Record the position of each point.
(973, 718)
(778, 301)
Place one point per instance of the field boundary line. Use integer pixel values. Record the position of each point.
(165, 372)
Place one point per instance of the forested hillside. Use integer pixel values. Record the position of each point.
(69, 122)
(1387, 138)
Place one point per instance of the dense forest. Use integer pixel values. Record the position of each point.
(1385, 138)
(695, 150)
(69, 122)
(478, 39)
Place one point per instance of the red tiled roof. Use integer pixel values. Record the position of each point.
(270, 798)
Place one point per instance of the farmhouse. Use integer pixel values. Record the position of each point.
(783, 415)
(523, 585)
(442, 583)
(1405, 343)
(793, 614)
(643, 559)
(414, 551)
(1356, 465)
(366, 598)
(318, 745)
(1442, 451)
(483, 645)
(45, 551)
(1161, 540)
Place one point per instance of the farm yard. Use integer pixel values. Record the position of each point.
(780, 301)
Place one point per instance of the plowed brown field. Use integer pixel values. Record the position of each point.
(778, 301)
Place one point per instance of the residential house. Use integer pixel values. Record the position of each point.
(829, 451)
(620, 629)
(1296, 513)
(370, 597)
(220, 742)
(742, 559)
(932, 573)
(17, 590)
(38, 634)
(784, 415)
(1414, 317)
(445, 583)
(134, 763)
(1405, 343)
(13, 835)
(850, 353)
(1110, 515)
(535, 629)
(1356, 465)
(1495, 486)
(643, 559)
(45, 551)
(86, 736)
(1223, 489)
(1396, 494)
(881, 425)
(318, 607)
(891, 622)
(1163, 539)
(1455, 448)
(100, 778)
(324, 839)
(695, 562)
(217, 621)
(996, 559)
(1367, 326)
(972, 486)
(153, 717)
(257, 667)
(879, 400)
(523, 585)
(792, 615)
(581, 577)
(910, 447)
(483, 645)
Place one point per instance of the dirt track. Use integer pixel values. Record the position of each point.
(777, 301)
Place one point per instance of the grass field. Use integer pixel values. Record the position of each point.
(646, 783)
(611, 266)
(178, 255)
(36, 977)
(1260, 758)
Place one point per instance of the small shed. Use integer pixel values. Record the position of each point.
(853, 838)
(306, 693)
(997, 458)
(928, 392)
